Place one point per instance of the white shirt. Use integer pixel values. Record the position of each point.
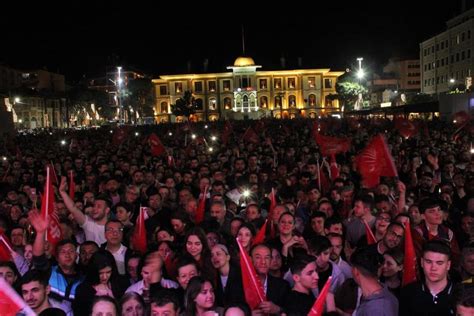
(119, 257)
(94, 231)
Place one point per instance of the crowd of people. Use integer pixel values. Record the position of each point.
(316, 211)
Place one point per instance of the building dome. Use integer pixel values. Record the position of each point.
(244, 62)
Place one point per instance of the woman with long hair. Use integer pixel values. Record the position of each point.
(246, 235)
(228, 285)
(196, 245)
(200, 298)
(392, 270)
(102, 279)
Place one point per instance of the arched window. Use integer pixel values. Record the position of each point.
(264, 102)
(199, 104)
(227, 103)
(292, 101)
(164, 107)
(245, 105)
(277, 101)
(312, 100)
(212, 104)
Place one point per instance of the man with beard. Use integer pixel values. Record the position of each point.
(111, 187)
(337, 243)
(92, 224)
(35, 290)
(391, 240)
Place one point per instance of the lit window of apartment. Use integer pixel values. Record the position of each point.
(212, 86)
(291, 83)
(277, 83)
(458, 39)
(311, 82)
(178, 87)
(226, 85)
(262, 84)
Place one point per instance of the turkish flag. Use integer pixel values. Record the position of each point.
(72, 185)
(201, 207)
(254, 293)
(11, 304)
(332, 145)
(139, 240)
(157, 148)
(375, 161)
(369, 234)
(260, 237)
(409, 261)
(405, 127)
(318, 307)
(53, 234)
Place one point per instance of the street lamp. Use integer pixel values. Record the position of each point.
(360, 73)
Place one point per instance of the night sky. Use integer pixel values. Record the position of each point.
(80, 38)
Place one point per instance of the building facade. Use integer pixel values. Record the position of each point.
(36, 98)
(445, 59)
(399, 79)
(246, 92)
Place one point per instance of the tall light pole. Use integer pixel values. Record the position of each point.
(360, 72)
(119, 94)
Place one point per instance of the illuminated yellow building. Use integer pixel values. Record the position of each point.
(248, 93)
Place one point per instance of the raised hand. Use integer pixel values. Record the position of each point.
(37, 221)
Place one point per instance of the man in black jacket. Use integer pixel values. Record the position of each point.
(276, 289)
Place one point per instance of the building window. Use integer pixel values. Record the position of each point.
(226, 85)
(312, 100)
(457, 39)
(463, 55)
(199, 104)
(292, 101)
(163, 90)
(442, 45)
(264, 102)
(463, 36)
(178, 87)
(311, 82)
(212, 86)
(227, 103)
(263, 84)
(198, 86)
(468, 34)
(328, 83)
(212, 104)
(277, 83)
(278, 102)
(457, 57)
(164, 107)
(437, 47)
(291, 83)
